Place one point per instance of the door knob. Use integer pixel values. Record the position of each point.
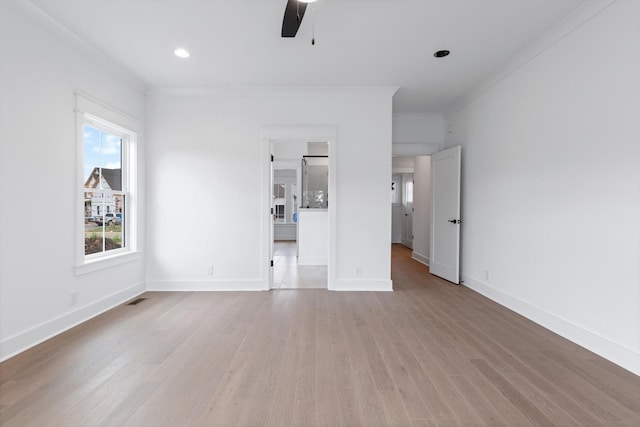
(455, 221)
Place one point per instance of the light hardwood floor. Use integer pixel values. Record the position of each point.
(428, 354)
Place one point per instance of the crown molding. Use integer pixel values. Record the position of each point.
(415, 116)
(267, 91)
(552, 36)
(66, 35)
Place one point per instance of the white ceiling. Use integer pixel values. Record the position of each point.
(358, 42)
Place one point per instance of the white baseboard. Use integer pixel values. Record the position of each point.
(363, 285)
(205, 285)
(614, 352)
(420, 258)
(40, 333)
(407, 243)
(312, 261)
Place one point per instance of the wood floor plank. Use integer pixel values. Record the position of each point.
(394, 409)
(349, 404)
(327, 410)
(398, 358)
(428, 354)
(366, 389)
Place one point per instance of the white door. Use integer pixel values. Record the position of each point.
(445, 214)
(271, 220)
(407, 207)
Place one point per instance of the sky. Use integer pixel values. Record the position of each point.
(101, 149)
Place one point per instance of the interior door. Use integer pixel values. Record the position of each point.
(271, 220)
(407, 207)
(445, 214)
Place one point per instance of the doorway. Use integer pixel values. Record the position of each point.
(300, 191)
(297, 134)
(411, 203)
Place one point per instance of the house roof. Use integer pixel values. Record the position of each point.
(113, 178)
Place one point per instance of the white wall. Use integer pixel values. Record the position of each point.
(417, 134)
(37, 181)
(422, 208)
(551, 186)
(402, 164)
(197, 141)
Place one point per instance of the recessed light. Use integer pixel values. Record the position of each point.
(441, 53)
(182, 53)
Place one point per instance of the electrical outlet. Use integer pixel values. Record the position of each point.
(486, 275)
(73, 297)
(358, 270)
(210, 270)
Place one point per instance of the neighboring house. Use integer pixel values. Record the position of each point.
(97, 203)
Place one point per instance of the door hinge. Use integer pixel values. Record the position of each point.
(272, 157)
(271, 263)
(271, 211)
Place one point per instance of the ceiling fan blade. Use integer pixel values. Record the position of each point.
(293, 14)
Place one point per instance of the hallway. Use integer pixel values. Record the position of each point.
(287, 274)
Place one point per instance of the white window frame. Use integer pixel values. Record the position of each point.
(98, 115)
(125, 147)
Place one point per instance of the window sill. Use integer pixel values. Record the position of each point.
(106, 262)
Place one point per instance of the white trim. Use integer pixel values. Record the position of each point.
(565, 27)
(270, 91)
(363, 285)
(616, 353)
(414, 116)
(57, 29)
(420, 258)
(415, 148)
(128, 128)
(296, 133)
(407, 243)
(40, 333)
(107, 115)
(205, 285)
(106, 262)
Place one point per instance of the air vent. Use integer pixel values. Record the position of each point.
(136, 301)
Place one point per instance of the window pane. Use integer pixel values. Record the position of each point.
(91, 157)
(279, 213)
(102, 159)
(114, 224)
(111, 161)
(278, 191)
(103, 222)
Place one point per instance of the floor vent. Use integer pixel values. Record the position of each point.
(136, 301)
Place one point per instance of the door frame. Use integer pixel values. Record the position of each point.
(296, 133)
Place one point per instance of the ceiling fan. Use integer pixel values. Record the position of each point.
(293, 14)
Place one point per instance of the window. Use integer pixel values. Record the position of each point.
(409, 191)
(279, 213)
(278, 191)
(106, 188)
(394, 191)
(279, 199)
